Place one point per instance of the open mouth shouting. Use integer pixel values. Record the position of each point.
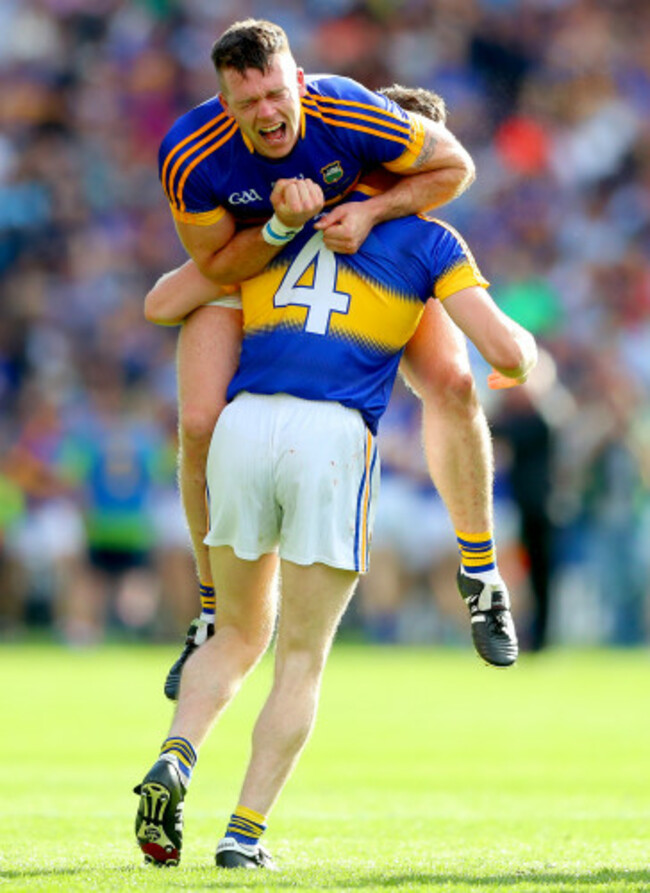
(274, 134)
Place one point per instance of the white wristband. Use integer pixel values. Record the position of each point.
(275, 232)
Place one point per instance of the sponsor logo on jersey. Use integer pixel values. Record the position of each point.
(245, 197)
(332, 172)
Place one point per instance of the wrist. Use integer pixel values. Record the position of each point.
(378, 209)
(277, 233)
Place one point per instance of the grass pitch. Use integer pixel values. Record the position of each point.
(426, 771)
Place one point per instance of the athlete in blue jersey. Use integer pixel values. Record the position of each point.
(275, 116)
(208, 165)
(293, 471)
(270, 123)
(333, 327)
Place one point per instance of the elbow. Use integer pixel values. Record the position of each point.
(150, 313)
(466, 173)
(152, 309)
(517, 359)
(219, 267)
(218, 272)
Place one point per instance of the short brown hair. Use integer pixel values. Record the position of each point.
(417, 99)
(249, 44)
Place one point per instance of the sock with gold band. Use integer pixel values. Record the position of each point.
(208, 602)
(246, 826)
(478, 556)
(183, 754)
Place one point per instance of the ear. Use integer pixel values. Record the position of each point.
(300, 74)
(224, 103)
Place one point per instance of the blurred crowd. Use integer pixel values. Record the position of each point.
(552, 97)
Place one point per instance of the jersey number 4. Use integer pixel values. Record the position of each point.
(320, 296)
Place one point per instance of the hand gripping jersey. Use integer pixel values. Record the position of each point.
(327, 326)
(207, 167)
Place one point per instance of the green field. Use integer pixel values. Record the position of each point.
(427, 771)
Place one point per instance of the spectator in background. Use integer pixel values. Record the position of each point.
(46, 544)
(612, 506)
(562, 148)
(116, 459)
(529, 472)
(409, 594)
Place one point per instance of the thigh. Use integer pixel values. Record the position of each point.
(436, 348)
(247, 591)
(313, 601)
(327, 480)
(207, 357)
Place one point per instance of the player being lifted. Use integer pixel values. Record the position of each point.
(220, 166)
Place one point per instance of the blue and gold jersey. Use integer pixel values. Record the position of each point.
(327, 326)
(207, 167)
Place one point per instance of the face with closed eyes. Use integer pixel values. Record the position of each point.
(266, 104)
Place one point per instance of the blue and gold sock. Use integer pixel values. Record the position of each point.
(246, 825)
(184, 753)
(208, 602)
(478, 556)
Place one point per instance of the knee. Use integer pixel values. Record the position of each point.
(300, 668)
(252, 651)
(451, 389)
(196, 425)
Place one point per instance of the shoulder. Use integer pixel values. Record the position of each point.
(445, 233)
(338, 87)
(455, 265)
(191, 157)
(201, 123)
(339, 102)
(329, 88)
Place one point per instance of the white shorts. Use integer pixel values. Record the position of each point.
(295, 476)
(231, 301)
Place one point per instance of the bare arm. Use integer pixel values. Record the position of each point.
(502, 342)
(227, 257)
(442, 171)
(177, 293)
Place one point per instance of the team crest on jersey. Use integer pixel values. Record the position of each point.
(332, 172)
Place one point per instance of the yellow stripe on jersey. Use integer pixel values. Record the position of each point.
(364, 189)
(226, 130)
(365, 323)
(248, 143)
(210, 124)
(353, 103)
(349, 126)
(374, 306)
(412, 152)
(345, 108)
(190, 167)
(202, 218)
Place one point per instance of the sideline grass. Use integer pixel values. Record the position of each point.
(427, 771)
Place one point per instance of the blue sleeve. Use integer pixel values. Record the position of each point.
(186, 163)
